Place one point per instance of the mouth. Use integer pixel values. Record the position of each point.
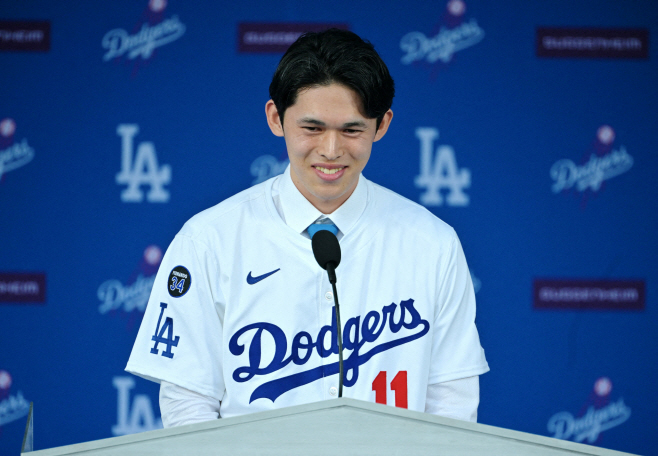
(329, 172)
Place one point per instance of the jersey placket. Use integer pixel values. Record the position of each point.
(325, 300)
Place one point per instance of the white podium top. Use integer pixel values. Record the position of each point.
(340, 426)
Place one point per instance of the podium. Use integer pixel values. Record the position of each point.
(339, 426)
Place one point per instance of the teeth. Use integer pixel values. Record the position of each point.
(327, 170)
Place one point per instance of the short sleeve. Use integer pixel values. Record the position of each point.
(180, 338)
(456, 349)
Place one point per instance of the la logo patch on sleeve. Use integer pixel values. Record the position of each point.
(179, 282)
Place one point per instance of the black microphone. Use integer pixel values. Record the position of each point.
(326, 250)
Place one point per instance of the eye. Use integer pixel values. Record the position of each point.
(352, 131)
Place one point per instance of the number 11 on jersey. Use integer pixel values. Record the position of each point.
(399, 385)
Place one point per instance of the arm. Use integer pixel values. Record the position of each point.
(457, 358)
(180, 406)
(179, 341)
(456, 399)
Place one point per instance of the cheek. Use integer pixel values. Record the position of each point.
(362, 151)
(300, 146)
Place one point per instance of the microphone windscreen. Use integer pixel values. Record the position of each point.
(326, 248)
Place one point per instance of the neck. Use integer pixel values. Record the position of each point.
(323, 205)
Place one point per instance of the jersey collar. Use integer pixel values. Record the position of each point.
(299, 213)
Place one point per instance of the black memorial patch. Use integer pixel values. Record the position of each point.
(179, 282)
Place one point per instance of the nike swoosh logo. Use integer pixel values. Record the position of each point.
(252, 280)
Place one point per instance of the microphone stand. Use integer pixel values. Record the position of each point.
(331, 270)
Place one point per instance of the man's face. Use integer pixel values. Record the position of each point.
(328, 141)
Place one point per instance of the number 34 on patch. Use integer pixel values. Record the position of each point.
(179, 281)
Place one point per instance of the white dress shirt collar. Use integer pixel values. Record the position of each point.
(299, 213)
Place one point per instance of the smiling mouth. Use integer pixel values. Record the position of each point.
(328, 171)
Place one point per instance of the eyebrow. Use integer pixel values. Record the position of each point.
(311, 120)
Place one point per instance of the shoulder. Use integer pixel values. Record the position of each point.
(408, 217)
(229, 214)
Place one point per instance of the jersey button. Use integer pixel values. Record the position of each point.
(333, 391)
(329, 296)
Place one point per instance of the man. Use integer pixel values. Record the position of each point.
(241, 316)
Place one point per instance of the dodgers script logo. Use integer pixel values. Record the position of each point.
(599, 415)
(457, 36)
(601, 162)
(266, 167)
(12, 406)
(13, 154)
(443, 173)
(155, 32)
(115, 296)
(144, 170)
(357, 335)
(477, 283)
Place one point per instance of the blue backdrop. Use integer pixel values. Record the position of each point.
(142, 114)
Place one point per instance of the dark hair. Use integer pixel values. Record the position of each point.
(333, 56)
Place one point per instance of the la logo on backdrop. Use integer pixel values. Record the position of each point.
(439, 171)
(601, 162)
(598, 415)
(134, 414)
(13, 154)
(141, 169)
(153, 30)
(452, 34)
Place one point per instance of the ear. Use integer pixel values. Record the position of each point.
(273, 119)
(383, 127)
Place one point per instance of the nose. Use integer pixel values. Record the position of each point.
(330, 147)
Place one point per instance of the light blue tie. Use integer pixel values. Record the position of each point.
(315, 227)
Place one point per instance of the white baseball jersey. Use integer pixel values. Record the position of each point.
(241, 311)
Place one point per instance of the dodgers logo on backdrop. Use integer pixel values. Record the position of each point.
(136, 415)
(439, 170)
(454, 35)
(602, 162)
(266, 167)
(600, 414)
(154, 32)
(134, 295)
(143, 170)
(12, 406)
(13, 154)
(357, 335)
